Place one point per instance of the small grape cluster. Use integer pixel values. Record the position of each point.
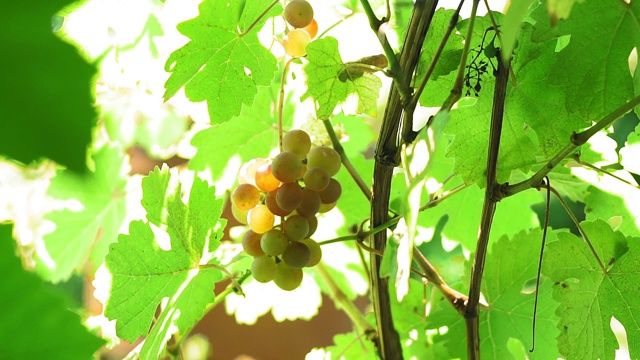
(299, 14)
(296, 185)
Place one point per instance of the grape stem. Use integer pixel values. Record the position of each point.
(281, 101)
(174, 348)
(256, 21)
(343, 303)
(345, 160)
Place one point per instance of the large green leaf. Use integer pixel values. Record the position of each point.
(330, 82)
(590, 295)
(47, 107)
(224, 62)
(84, 235)
(511, 267)
(36, 322)
(143, 272)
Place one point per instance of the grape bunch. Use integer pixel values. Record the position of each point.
(299, 14)
(296, 185)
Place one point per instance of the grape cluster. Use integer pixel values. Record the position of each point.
(299, 14)
(296, 185)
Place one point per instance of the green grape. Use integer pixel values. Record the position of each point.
(274, 242)
(327, 207)
(240, 215)
(287, 278)
(295, 227)
(313, 225)
(264, 268)
(289, 196)
(286, 167)
(251, 243)
(260, 219)
(272, 203)
(298, 13)
(325, 158)
(310, 203)
(332, 193)
(316, 179)
(245, 196)
(265, 180)
(296, 255)
(297, 142)
(315, 250)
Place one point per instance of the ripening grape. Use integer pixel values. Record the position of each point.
(316, 179)
(298, 13)
(287, 278)
(331, 193)
(310, 203)
(265, 180)
(260, 219)
(251, 243)
(272, 203)
(248, 170)
(295, 43)
(327, 207)
(286, 167)
(273, 242)
(264, 268)
(325, 158)
(296, 255)
(313, 225)
(245, 196)
(312, 29)
(315, 250)
(240, 215)
(297, 142)
(295, 227)
(289, 196)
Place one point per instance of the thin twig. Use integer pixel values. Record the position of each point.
(253, 24)
(281, 100)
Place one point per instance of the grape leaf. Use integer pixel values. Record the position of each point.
(616, 200)
(593, 69)
(327, 87)
(512, 264)
(44, 113)
(452, 51)
(224, 62)
(252, 134)
(85, 235)
(560, 9)
(589, 296)
(630, 153)
(143, 273)
(36, 322)
(350, 346)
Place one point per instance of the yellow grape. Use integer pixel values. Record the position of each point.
(261, 219)
(295, 43)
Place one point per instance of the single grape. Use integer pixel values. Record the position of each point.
(264, 268)
(313, 225)
(286, 167)
(251, 243)
(327, 207)
(297, 142)
(315, 250)
(289, 196)
(310, 203)
(316, 179)
(312, 29)
(260, 219)
(273, 242)
(272, 203)
(248, 170)
(296, 255)
(298, 13)
(265, 180)
(245, 196)
(240, 215)
(331, 193)
(287, 278)
(295, 43)
(295, 227)
(325, 158)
